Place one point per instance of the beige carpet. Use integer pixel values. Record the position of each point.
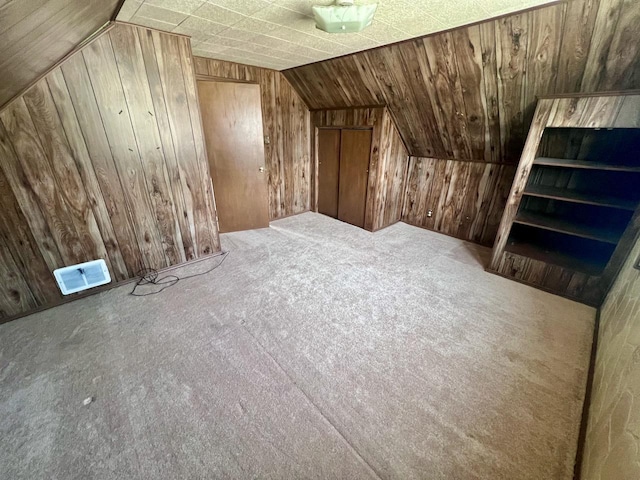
(317, 350)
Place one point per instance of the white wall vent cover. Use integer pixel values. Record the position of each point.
(82, 276)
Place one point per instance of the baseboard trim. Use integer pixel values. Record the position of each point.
(584, 420)
(104, 288)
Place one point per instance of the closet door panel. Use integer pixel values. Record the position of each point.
(328, 171)
(355, 149)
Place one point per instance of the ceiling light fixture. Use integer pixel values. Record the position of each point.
(344, 16)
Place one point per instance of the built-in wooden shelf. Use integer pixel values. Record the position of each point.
(586, 164)
(563, 226)
(556, 193)
(564, 260)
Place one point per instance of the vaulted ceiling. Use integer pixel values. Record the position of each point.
(36, 34)
(281, 34)
(469, 94)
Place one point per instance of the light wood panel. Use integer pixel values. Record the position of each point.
(232, 121)
(36, 34)
(100, 159)
(469, 94)
(466, 199)
(286, 125)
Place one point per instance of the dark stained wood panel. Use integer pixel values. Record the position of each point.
(388, 162)
(286, 125)
(328, 171)
(466, 199)
(36, 34)
(90, 170)
(470, 93)
(388, 177)
(355, 148)
(546, 261)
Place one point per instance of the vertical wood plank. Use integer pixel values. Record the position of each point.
(182, 208)
(135, 85)
(33, 181)
(210, 241)
(19, 239)
(15, 295)
(62, 165)
(175, 91)
(69, 122)
(84, 102)
(107, 86)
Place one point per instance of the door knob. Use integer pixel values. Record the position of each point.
(261, 169)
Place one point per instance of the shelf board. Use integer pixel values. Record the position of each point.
(546, 222)
(590, 267)
(567, 195)
(586, 164)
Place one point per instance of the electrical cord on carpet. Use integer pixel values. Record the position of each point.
(149, 276)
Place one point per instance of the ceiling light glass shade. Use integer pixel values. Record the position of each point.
(344, 19)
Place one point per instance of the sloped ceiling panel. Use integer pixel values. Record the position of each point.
(469, 94)
(36, 34)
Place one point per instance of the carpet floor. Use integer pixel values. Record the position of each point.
(316, 350)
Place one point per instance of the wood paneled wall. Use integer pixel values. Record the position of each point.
(36, 34)
(285, 120)
(588, 111)
(612, 440)
(387, 166)
(466, 199)
(469, 94)
(104, 158)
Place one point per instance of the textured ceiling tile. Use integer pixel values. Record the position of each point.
(128, 10)
(182, 6)
(237, 34)
(202, 25)
(466, 11)
(217, 14)
(383, 32)
(161, 14)
(256, 26)
(152, 23)
(194, 34)
(246, 7)
(227, 42)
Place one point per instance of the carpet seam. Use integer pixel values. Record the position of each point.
(353, 449)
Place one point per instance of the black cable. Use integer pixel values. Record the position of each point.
(149, 276)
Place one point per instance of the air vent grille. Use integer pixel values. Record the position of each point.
(76, 278)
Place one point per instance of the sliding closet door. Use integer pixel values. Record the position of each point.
(355, 147)
(328, 171)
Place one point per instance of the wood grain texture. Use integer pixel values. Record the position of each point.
(470, 93)
(286, 123)
(232, 120)
(388, 161)
(36, 34)
(389, 177)
(89, 168)
(466, 198)
(328, 171)
(355, 148)
(600, 112)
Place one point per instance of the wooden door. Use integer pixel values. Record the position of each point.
(355, 150)
(232, 120)
(328, 171)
